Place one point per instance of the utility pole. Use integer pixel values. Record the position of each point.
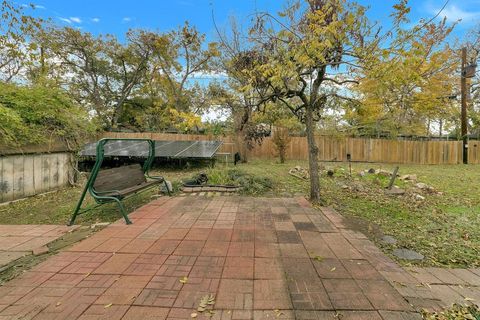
(464, 106)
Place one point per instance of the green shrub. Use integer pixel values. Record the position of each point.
(33, 114)
(250, 184)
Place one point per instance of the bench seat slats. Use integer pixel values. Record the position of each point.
(120, 178)
(133, 189)
(116, 184)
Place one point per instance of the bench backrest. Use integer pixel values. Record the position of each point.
(119, 178)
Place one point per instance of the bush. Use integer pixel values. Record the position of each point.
(250, 184)
(35, 114)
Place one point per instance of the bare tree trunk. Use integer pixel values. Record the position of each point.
(241, 118)
(441, 128)
(241, 145)
(244, 152)
(312, 156)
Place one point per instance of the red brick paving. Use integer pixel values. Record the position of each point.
(423, 288)
(260, 258)
(17, 241)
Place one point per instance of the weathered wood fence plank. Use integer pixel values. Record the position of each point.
(29, 174)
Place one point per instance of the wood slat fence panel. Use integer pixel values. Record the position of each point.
(26, 175)
(336, 148)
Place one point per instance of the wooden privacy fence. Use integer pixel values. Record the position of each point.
(337, 148)
(34, 169)
(26, 175)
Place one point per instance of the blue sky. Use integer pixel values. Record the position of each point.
(116, 17)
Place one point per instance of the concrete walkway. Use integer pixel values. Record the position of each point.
(246, 258)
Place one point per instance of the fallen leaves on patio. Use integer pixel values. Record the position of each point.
(278, 313)
(318, 258)
(207, 300)
(183, 280)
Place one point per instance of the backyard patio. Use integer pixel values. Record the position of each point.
(230, 257)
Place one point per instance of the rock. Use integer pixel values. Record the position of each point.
(409, 177)
(419, 197)
(99, 225)
(383, 173)
(163, 189)
(371, 170)
(361, 173)
(421, 185)
(389, 239)
(359, 187)
(299, 172)
(344, 187)
(408, 254)
(395, 191)
(425, 187)
(40, 250)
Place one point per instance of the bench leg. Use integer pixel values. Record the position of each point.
(74, 216)
(79, 205)
(123, 211)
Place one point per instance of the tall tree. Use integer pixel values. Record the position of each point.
(15, 50)
(232, 94)
(178, 58)
(301, 56)
(171, 84)
(408, 87)
(473, 49)
(101, 73)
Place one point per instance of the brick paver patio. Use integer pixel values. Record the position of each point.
(260, 258)
(17, 241)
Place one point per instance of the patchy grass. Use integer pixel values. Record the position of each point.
(444, 227)
(57, 207)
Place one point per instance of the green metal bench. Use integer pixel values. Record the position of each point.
(117, 184)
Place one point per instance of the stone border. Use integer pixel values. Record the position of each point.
(209, 189)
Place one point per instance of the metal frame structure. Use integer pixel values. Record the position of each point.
(102, 197)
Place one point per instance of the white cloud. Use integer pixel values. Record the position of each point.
(35, 6)
(65, 20)
(209, 75)
(127, 19)
(95, 20)
(76, 19)
(454, 13)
